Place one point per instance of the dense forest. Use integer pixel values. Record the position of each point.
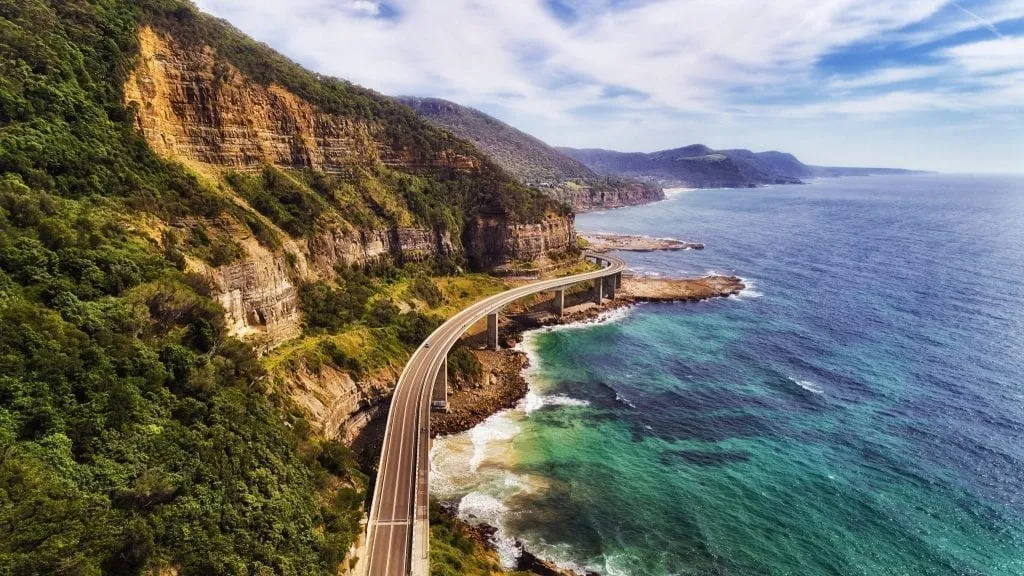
(133, 429)
(136, 433)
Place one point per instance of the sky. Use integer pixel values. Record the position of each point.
(926, 84)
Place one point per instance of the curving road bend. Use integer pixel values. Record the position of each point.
(398, 529)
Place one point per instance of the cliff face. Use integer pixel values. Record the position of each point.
(339, 406)
(518, 244)
(194, 106)
(585, 196)
(259, 292)
(260, 299)
(336, 247)
(197, 107)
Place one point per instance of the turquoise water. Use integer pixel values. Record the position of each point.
(858, 410)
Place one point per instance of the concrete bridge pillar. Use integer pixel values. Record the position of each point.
(560, 301)
(618, 280)
(439, 396)
(492, 331)
(598, 290)
(611, 286)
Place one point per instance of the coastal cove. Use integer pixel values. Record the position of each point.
(854, 410)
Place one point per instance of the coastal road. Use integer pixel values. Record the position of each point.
(398, 530)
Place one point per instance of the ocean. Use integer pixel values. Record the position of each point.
(858, 409)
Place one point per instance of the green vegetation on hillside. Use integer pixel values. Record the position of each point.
(557, 174)
(303, 202)
(136, 433)
(356, 325)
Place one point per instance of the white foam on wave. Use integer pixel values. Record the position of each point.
(622, 399)
(606, 317)
(808, 385)
(483, 507)
(477, 507)
(620, 564)
(749, 291)
(528, 345)
(670, 192)
(508, 549)
(497, 428)
(461, 467)
(533, 402)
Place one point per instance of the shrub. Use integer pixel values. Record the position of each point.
(424, 289)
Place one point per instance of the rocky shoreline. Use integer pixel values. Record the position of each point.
(501, 387)
(601, 242)
(647, 289)
(503, 384)
(485, 534)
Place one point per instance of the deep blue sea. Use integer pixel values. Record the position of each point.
(859, 409)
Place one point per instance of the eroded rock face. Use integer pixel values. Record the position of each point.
(497, 244)
(584, 198)
(259, 297)
(197, 108)
(192, 105)
(345, 247)
(339, 406)
(260, 291)
(527, 242)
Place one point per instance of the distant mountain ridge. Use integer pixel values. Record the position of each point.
(524, 156)
(595, 178)
(698, 166)
(533, 162)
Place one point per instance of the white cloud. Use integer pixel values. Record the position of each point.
(697, 62)
(886, 77)
(684, 54)
(1002, 55)
(960, 19)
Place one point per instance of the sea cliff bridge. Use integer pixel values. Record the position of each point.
(398, 530)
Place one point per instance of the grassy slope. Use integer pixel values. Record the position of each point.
(380, 338)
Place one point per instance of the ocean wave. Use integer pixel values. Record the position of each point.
(808, 385)
(528, 345)
(483, 507)
(606, 317)
(623, 400)
(497, 428)
(620, 564)
(749, 291)
(670, 192)
(533, 401)
(478, 507)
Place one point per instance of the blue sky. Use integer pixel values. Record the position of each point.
(929, 84)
